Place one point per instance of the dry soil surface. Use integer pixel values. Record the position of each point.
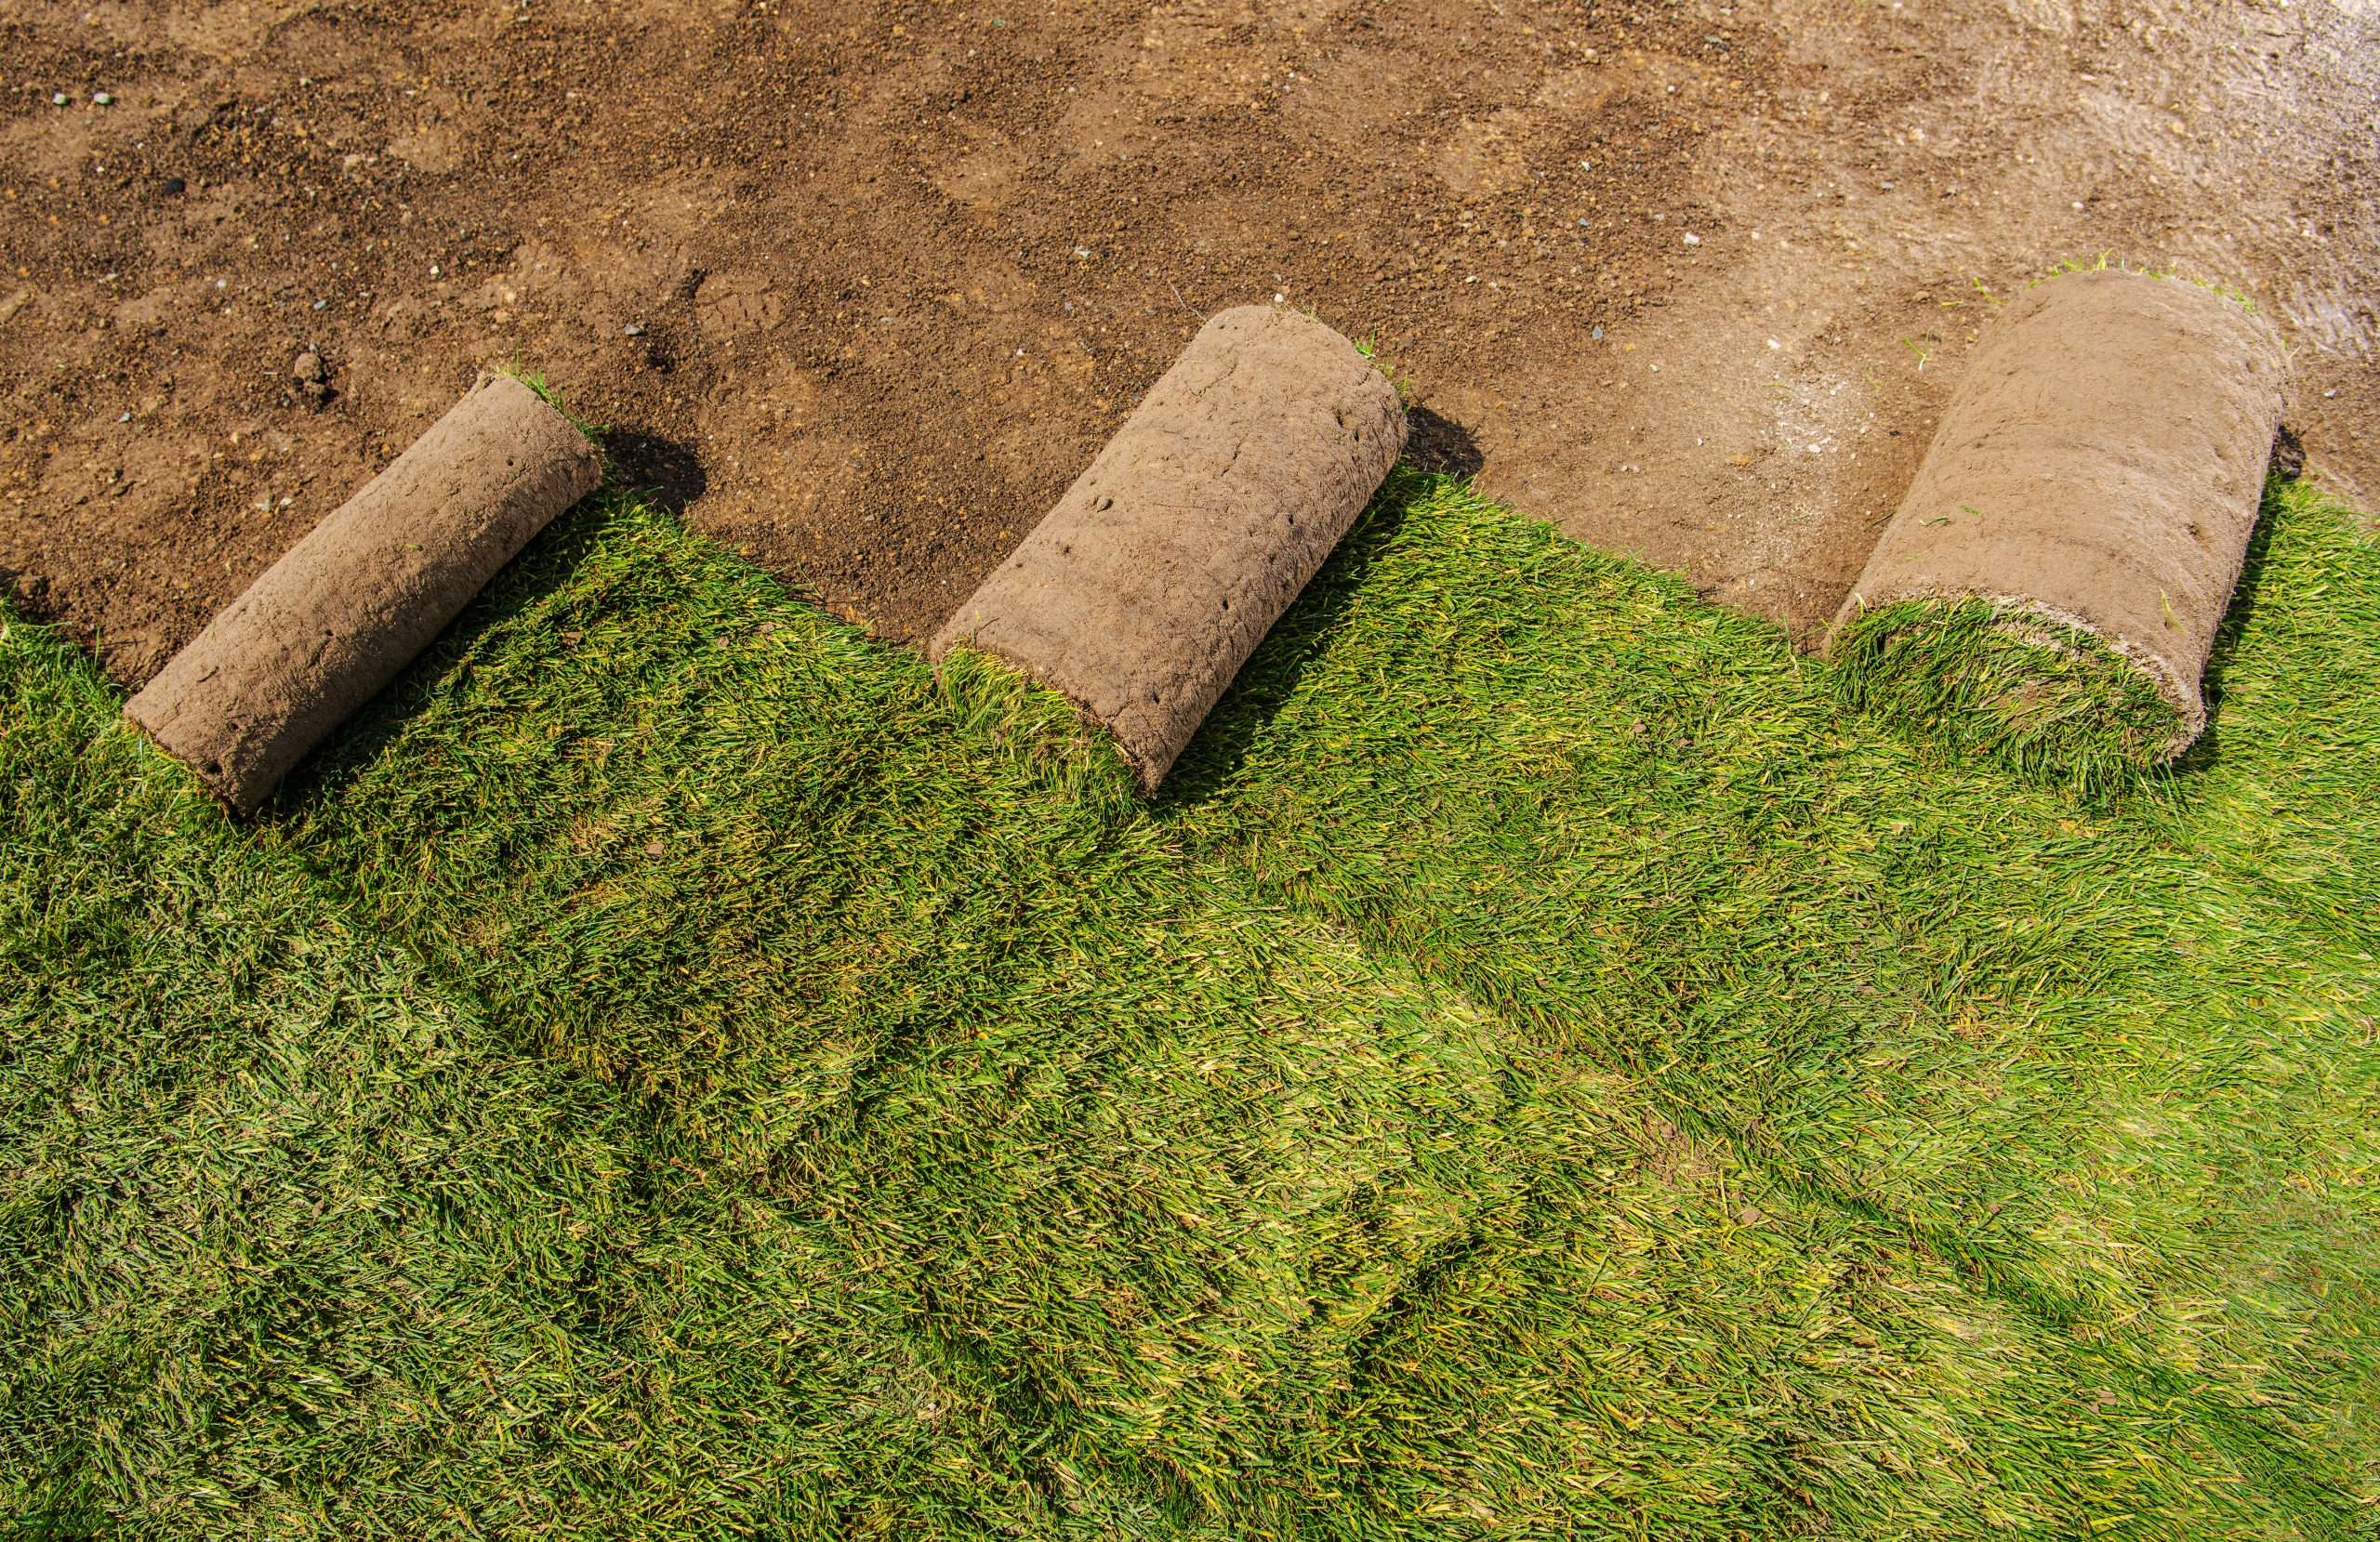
(863, 287)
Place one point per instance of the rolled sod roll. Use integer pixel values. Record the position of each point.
(2051, 587)
(329, 625)
(1143, 592)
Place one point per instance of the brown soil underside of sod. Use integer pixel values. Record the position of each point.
(894, 273)
(366, 591)
(2102, 462)
(1196, 528)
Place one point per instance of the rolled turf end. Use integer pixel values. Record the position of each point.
(1142, 593)
(1038, 729)
(2051, 588)
(2019, 684)
(348, 606)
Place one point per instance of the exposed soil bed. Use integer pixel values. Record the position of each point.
(865, 293)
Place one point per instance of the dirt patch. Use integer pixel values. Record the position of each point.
(867, 289)
(2101, 464)
(333, 621)
(1166, 563)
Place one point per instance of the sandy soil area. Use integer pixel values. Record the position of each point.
(864, 288)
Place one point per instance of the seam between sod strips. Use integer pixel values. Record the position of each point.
(463, 980)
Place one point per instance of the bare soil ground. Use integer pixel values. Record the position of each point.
(863, 287)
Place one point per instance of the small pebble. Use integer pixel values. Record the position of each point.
(1692, 240)
(102, 99)
(173, 187)
(1599, 335)
(633, 330)
(124, 417)
(322, 305)
(60, 100)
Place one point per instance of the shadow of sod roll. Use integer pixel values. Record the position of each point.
(2049, 590)
(1153, 578)
(348, 607)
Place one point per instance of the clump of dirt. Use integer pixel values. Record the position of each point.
(863, 291)
(333, 621)
(1167, 561)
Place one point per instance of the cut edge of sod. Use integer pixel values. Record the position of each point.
(2036, 689)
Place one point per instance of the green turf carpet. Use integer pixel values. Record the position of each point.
(1548, 1066)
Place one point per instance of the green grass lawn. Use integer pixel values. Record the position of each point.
(1547, 1066)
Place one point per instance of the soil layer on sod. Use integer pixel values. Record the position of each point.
(1543, 1064)
(1162, 569)
(864, 287)
(2083, 514)
(349, 606)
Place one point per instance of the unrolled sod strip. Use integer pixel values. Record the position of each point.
(1143, 592)
(348, 607)
(2053, 580)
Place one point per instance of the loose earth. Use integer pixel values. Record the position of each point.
(862, 291)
